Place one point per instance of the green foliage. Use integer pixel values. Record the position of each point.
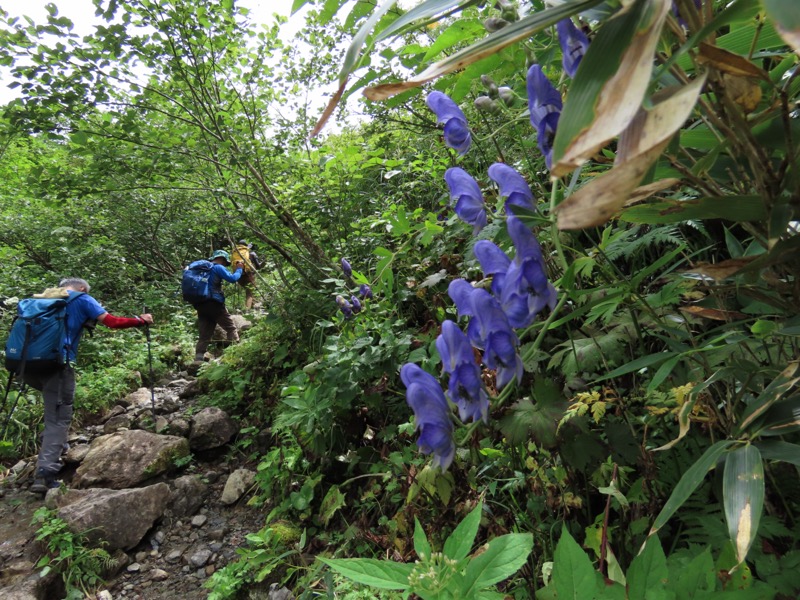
(80, 566)
(447, 574)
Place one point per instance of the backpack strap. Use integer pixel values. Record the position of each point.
(67, 340)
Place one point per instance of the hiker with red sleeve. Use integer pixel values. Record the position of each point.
(57, 383)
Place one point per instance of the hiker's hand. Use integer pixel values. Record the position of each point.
(147, 318)
(240, 264)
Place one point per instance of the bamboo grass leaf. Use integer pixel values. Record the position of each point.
(743, 490)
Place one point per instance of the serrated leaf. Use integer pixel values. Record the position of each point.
(382, 574)
(743, 493)
(573, 574)
(648, 571)
(501, 558)
(459, 543)
(421, 544)
(610, 84)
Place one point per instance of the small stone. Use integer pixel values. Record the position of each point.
(199, 520)
(141, 557)
(211, 476)
(174, 556)
(186, 569)
(158, 575)
(200, 558)
(159, 536)
(200, 573)
(215, 546)
(104, 595)
(19, 466)
(134, 567)
(217, 534)
(210, 570)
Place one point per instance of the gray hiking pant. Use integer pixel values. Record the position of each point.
(58, 388)
(209, 315)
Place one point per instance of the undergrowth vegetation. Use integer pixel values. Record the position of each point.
(550, 350)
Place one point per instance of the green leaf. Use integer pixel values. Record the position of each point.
(782, 418)
(333, 501)
(501, 558)
(743, 493)
(424, 10)
(79, 137)
(689, 482)
(732, 208)
(697, 578)
(771, 394)
(640, 363)
(421, 544)
(573, 574)
(522, 29)
(382, 574)
(779, 450)
(459, 543)
(785, 15)
(648, 571)
(610, 84)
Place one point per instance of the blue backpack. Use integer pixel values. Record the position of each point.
(195, 282)
(38, 335)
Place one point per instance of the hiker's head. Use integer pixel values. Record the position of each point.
(220, 257)
(244, 243)
(75, 284)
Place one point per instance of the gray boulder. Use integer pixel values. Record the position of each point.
(237, 484)
(120, 518)
(211, 428)
(188, 495)
(127, 458)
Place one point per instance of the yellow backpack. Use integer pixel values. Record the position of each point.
(242, 253)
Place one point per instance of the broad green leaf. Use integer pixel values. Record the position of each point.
(500, 559)
(779, 450)
(421, 544)
(637, 364)
(425, 10)
(382, 574)
(743, 493)
(333, 501)
(610, 84)
(493, 43)
(689, 482)
(785, 16)
(641, 143)
(782, 418)
(460, 542)
(648, 571)
(771, 394)
(457, 33)
(697, 578)
(79, 137)
(664, 371)
(732, 208)
(573, 574)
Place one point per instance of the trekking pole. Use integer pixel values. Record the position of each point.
(152, 376)
(5, 402)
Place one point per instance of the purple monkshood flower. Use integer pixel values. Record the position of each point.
(574, 44)
(489, 329)
(431, 414)
(512, 186)
(465, 387)
(544, 103)
(456, 130)
(344, 306)
(356, 304)
(365, 291)
(465, 191)
(346, 268)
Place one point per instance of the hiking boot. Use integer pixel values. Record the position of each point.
(44, 480)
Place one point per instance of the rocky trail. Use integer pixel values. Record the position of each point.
(168, 528)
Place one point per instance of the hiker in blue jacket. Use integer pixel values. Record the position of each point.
(212, 312)
(57, 384)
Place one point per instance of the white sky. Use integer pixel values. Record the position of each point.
(81, 13)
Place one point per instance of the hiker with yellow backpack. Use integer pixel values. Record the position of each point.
(245, 253)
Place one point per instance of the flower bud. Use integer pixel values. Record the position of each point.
(493, 24)
(346, 268)
(486, 104)
(507, 95)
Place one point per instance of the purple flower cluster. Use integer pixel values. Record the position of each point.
(519, 291)
(544, 101)
(353, 306)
